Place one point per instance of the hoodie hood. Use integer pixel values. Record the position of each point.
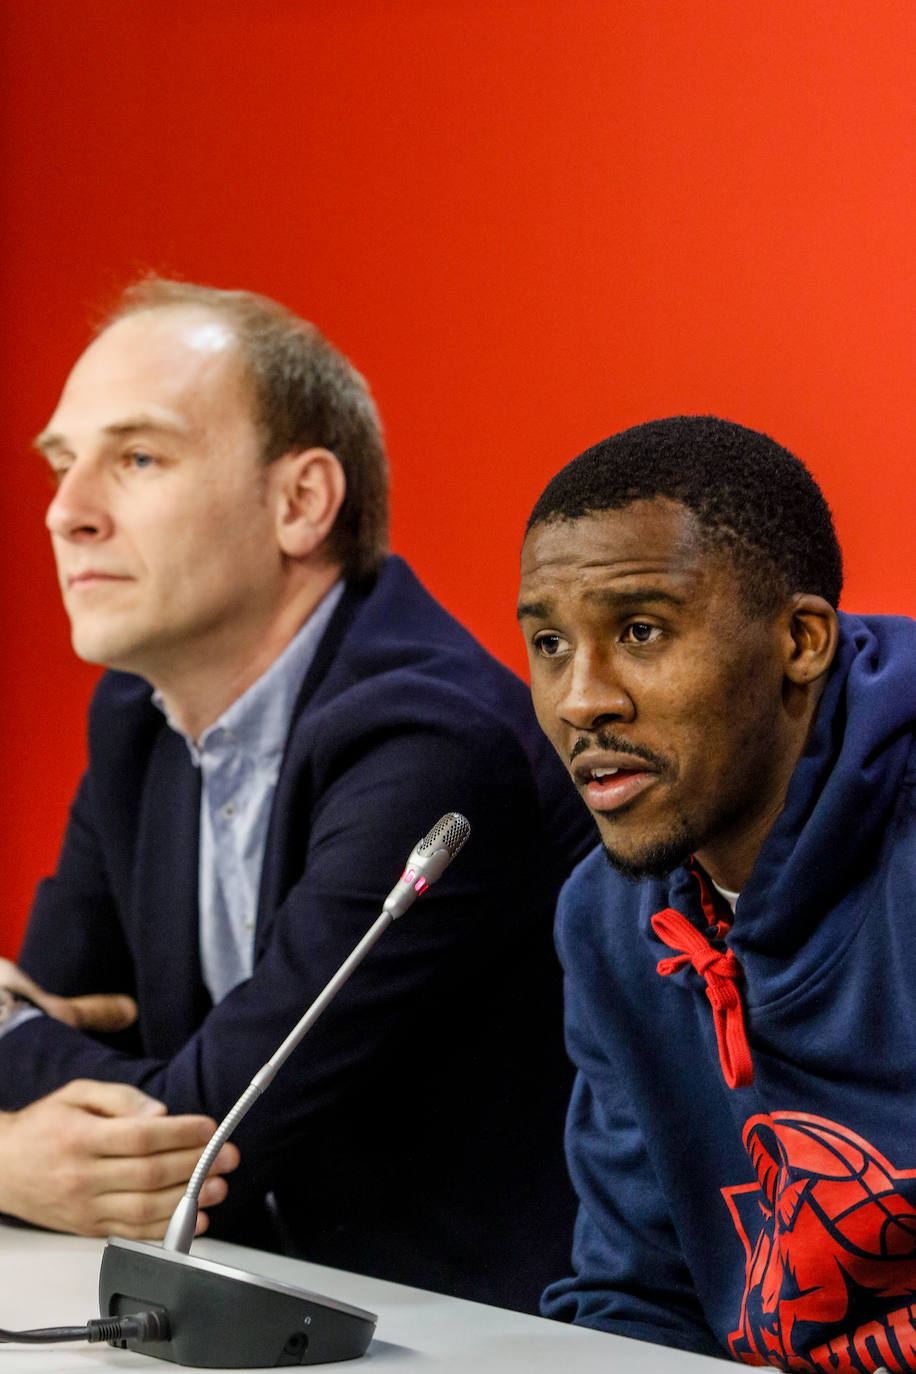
(856, 773)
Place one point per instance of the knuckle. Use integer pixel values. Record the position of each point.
(136, 1139)
(72, 1132)
(71, 1182)
(150, 1174)
(75, 1090)
(139, 1209)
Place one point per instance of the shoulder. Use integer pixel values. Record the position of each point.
(407, 688)
(401, 625)
(405, 659)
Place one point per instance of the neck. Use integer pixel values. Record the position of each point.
(729, 862)
(731, 856)
(196, 693)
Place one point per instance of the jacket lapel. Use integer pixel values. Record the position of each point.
(288, 830)
(165, 903)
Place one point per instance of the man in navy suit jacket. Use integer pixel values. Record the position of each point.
(288, 712)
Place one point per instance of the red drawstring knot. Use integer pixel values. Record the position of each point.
(721, 971)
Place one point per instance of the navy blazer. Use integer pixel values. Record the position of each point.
(416, 1134)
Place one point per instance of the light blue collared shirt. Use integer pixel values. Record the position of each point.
(239, 757)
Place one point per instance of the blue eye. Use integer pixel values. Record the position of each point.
(140, 459)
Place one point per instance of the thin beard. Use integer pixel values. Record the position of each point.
(657, 860)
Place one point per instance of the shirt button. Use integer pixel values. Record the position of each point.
(228, 811)
(249, 922)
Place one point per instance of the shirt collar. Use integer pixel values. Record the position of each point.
(258, 721)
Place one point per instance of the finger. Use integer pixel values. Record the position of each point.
(109, 1099)
(141, 1136)
(104, 1012)
(164, 1176)
(146, 1231)
(226, 1161)
(94, 1011)
(153, 1173)
(145, 1215)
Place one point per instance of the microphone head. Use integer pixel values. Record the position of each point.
(450, 832)
(427, 862)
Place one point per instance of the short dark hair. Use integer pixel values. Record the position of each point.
(751, 497)
(306, 395)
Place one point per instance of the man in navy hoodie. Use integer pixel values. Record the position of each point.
(219, 526)
(739, 958)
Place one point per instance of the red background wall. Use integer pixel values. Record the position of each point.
(529, 222)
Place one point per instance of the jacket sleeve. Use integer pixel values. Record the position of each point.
(629, 1276)
(75, 941)
(383, 793)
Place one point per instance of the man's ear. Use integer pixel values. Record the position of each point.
(309, 488)
(811, 638)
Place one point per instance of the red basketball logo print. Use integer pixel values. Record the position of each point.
(833, 1252)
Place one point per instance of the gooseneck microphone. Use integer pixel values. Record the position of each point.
(222, 1317)
(427, 862)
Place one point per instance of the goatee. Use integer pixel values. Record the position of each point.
(656, 861)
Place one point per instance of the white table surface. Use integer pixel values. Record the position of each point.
(52, 1280)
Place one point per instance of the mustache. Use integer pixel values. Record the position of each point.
(604, 739)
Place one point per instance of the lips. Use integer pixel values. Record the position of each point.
(92, 576)
(609, 784)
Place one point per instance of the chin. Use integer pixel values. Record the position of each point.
(658, 864)
(104, 652)
(89, 652)
(652, 859)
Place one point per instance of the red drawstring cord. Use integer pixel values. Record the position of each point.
(722, 973)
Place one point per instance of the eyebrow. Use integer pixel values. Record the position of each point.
(631, 599)
(48, 441)
(634, 597)
(538, 610)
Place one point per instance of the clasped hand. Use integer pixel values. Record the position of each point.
(100, 1158)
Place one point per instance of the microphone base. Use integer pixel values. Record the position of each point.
(219, 1317)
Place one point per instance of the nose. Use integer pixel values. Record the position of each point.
(593, 693)
(77, 510)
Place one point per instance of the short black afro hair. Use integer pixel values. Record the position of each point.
(751, 497)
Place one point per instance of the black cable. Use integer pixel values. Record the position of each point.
(138, 1326)
(51, 1333)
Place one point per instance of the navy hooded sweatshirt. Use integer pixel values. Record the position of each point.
(773, 1221)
